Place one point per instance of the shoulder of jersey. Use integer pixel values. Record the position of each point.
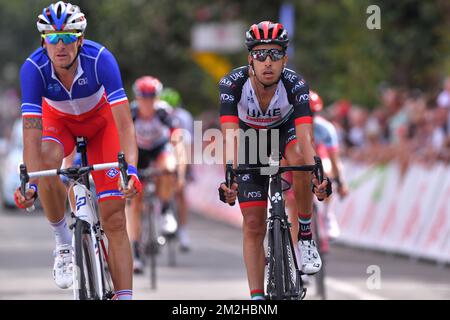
(39, 57)
(91, 48)
(292, 80)
(161, 104)
(236, 75)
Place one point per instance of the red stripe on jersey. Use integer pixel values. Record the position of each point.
(224, 119)
(301, 120)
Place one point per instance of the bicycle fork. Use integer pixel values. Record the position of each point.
(277, 212)
(84, 211)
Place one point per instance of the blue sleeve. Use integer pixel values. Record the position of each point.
(32, 88)
(109, 76)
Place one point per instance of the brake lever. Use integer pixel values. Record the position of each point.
(229, 177)
(24, 184)
(123, 167)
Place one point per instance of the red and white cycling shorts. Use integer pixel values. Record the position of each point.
(100, 130)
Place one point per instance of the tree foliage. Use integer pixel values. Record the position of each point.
(339, 56)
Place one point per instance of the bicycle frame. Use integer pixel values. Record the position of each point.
(278, 212)
(86, 221)
(281, 282)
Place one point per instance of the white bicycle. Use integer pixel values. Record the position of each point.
(91, 276)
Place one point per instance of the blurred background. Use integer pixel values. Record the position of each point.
(387, 90)
(190, 45)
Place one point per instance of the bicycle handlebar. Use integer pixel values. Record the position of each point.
(72, 172)
(316, 168)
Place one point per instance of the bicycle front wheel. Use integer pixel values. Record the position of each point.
(275, 280)
(85, 273)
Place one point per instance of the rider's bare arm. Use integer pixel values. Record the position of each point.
(336, 164)
(125, 128)
(32, 136)
(305, 139)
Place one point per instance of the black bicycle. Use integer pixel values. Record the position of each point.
(283, 276)
(91, 275)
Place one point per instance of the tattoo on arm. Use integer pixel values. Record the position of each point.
(32, 123)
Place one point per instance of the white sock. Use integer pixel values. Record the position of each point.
(61, 231)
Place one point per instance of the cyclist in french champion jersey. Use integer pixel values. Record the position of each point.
(269, 101)
(154, 124)
(72, 87)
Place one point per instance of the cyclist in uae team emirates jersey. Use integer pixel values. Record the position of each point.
(263, 99)
(72, 87)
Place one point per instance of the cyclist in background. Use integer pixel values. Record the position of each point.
(182, 119)
(266, 95)
(72, 87)
(153, 125)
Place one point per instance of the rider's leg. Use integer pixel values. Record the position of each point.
(133, 212)
(165, 191)
(302, 191)
(254, 231)
(52, 192)
(165, 183)
(112, 215)
(182, 218)
(291, 208)
(310, 259)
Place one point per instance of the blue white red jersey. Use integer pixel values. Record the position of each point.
(97, 76)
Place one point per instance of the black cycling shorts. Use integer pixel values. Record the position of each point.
(253, 187)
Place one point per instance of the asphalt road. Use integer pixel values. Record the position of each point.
(214, 268)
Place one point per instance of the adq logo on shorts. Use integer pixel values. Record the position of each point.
(252, 194)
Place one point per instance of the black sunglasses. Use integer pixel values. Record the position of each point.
(261, 54)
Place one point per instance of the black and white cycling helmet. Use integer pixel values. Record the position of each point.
(61, 16)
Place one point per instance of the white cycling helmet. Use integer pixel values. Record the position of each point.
(61, 16)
